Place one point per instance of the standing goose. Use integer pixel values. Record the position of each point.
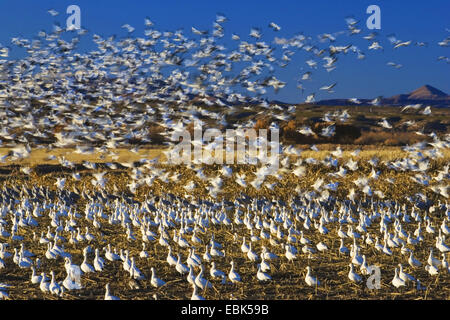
(170, 259)
(85, 266)
(216, 273)
(99, 263)
(201, 282)
(134, 271)
(432, 270)
(413, 262)
(54, 287)
(44, 285)
(108, 295)
(289, 254)
(251, 255)
(244, 246)
(233, 275)
(180, 267)
(155, 281)
(191, 276)
(403, 275)
(352, 275)
(432, 260)
(397, 281)
(445, 264)
(35, 279)
(262, 276)
(309, 279)
(195, 295)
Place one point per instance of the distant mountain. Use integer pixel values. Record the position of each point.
(424, 95)
(427, 92)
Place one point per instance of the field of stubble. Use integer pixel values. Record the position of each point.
(330, 267)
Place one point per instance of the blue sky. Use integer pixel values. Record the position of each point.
(409, 20)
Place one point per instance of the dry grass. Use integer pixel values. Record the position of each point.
(288, 278)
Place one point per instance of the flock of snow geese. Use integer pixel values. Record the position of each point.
(112, 95)
(258, 228)
(109, 97)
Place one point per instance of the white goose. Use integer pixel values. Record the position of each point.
(403, 275)
(216, 273)
(201, 282)
(352, 275)
(54, 287)
(99, 263)
(413, 262)
(310, 279)
(432, 270)
(251, 255)
(44, 285)
(155, 281)
(397, 281)
(262, 276)
(195, 295)
(108, 295)
(171, 259)
(244, 246)
(191, 276)
(432, 260)
(85, 266)
(233, 275)
(180, 267)
(35, 279)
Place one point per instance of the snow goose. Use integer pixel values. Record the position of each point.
(265, 266)
(207, 255)
(244, 246)
(290, 255)
(251, 255)
(262, 276)
(310, 279)
(134, 271)
(201, 282)
(233, 275)
(343, 249)
(85, 266)
(49, 254)
(216, 273)
(54, 287)
(445, 264)
(195, 295)
(171, 259)
(441, 246)
(364, 268)
(304, 240)
(321, 247)
(191, 277)
(111, 256)
(403, 275)
(352, 275)
(72, 280)
(44, 285)
(143, 254)
(413, 262)
(180, 267)
(267, 254)
(108, 295)
(432, 260)
(432, 270)
(35, 279)
(155, 281)
(397, 281)
(98, 261)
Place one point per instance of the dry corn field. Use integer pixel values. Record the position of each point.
(336, 212)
